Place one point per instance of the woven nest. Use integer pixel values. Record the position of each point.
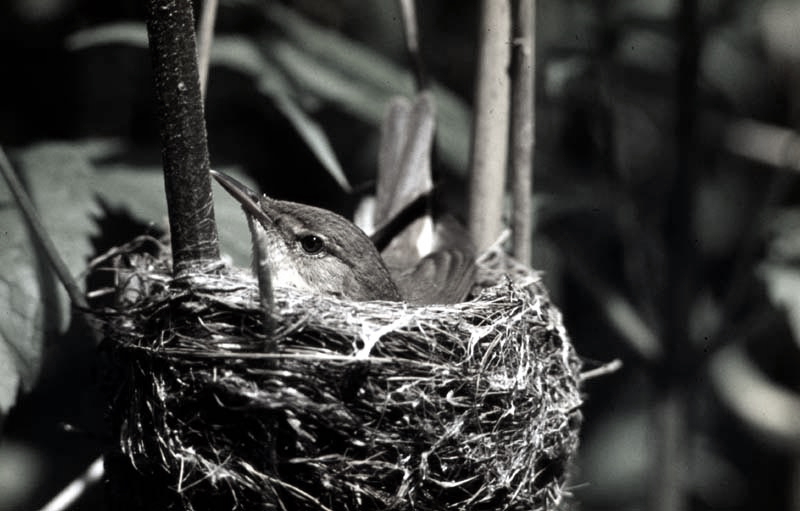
(349, 405)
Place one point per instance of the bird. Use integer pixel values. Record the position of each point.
(311, 248)
(317, 250)
(428, 251)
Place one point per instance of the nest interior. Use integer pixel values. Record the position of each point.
(345, 405)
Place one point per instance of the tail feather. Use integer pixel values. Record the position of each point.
(447, 272)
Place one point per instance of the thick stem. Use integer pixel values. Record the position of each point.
(490, 128)
(523, 117)
(170, 28)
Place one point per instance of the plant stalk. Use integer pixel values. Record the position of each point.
(490, 127)
(170, 28)
(523, 125)
(205, 36)
(670, 488)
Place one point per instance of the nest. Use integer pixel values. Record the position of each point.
(348, 405)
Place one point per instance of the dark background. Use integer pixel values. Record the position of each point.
(612, 135)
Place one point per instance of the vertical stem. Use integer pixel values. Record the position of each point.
(523, 124)
(490, 128)
(170, 28)
(408, 12)
(671, 473)
(669, 491)
(266, 295)
(205, 36)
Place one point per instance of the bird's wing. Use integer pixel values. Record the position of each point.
(444, 276)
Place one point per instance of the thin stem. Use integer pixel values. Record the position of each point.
(408, 13)
(205, 36)
(490, 128)
(669, 489)
(170, 28)
(266, 296)
(604, 370)
(671, 454)
(678, 229)
(67, 497)
(523, 117)
(40, 233)
(620, 313)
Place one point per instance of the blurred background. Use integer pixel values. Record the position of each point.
(666, 199)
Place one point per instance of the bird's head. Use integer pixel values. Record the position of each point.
(312, 248)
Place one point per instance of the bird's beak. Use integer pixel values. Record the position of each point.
(244, 195)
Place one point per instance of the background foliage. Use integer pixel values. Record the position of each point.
(296, 92)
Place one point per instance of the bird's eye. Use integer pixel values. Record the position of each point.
(312, 244)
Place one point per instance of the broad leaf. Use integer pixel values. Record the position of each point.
(58, 178)
(65, 185)
(317, 63)
(140, 190)
(331, 67)
(314, 137)
(240, 54)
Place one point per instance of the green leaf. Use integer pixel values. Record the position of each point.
(57, 177)
(234, 234)
(320, 64)
(783, 287)
(140, 190)
(780, 272)
(126, 33)
(314, 137)
(783, 230)
(242, 55)
(770, 410)
(64, 185)
(333, 68)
